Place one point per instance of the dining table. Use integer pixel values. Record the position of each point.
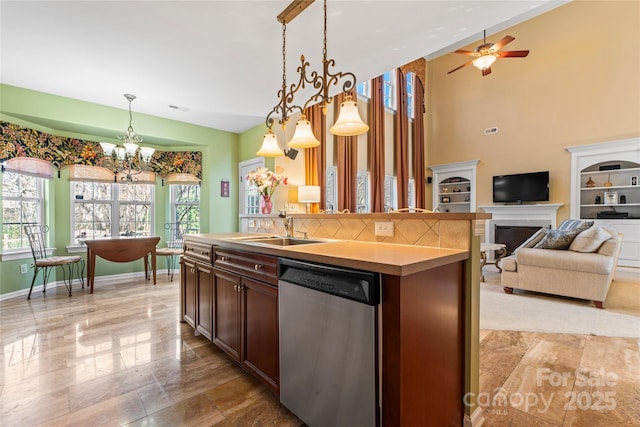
(121, 249)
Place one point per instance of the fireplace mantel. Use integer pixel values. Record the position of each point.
(543, 214)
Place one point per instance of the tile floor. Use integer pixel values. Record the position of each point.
(121, 357)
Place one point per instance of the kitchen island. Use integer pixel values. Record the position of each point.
(421, 315)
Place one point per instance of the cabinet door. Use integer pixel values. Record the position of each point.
(226, 321)
(204, 306)
(188, 280)
(260, 331)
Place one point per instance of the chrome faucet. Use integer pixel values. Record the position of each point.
(288, 223)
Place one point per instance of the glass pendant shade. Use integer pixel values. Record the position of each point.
(270, 147)
(146, 153)
(484, 61)
(303, 136)
(108, 148)
(121, 152)
(130, 148)
(349, 122)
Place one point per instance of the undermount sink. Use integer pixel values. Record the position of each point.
(282, 241)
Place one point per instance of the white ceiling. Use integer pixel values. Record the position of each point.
(221, 61)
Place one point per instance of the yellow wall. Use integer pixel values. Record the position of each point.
(579, 85)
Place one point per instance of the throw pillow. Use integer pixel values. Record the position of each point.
(570, 224)
(590, 240)
(558, 239)
(533, 240)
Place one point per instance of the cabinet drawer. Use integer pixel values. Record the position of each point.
(199, 251)
(256, 266)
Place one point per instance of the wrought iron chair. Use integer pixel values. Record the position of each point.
(174, 247)
(36, 233)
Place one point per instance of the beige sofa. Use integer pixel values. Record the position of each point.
(563, 272)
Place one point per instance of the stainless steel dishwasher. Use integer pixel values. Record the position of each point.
(328, 344)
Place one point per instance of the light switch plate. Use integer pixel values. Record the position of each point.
(384, 228)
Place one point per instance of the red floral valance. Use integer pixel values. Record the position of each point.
(17, 141)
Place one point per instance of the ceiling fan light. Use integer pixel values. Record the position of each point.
(270, 147)
(303, 136)
(483, 62)
(349, 122)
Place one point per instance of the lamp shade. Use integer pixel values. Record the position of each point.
(108, 148)
(484, 61)
(270, 147)
(349, 122)
(303, 136)
(146, 153)
(308, 194)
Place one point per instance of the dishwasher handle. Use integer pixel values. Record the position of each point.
(357, 285)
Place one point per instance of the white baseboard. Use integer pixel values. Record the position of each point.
(475, 420)
(98, 280)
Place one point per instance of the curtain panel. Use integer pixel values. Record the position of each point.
(315, 159)
(401, 141)
(18, 141)
(347, 153)
(418, 142)
(376, 144)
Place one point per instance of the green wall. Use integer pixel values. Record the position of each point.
(71, 118)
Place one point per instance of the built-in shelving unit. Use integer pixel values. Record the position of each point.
(455, 187)
(605, 188)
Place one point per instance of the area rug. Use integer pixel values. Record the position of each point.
(535, 312)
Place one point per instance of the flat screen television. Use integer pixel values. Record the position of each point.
(521, 188)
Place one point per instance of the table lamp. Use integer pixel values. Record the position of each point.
(308, 194)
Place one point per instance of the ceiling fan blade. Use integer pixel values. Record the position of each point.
(462, 66)
(513, 54)
(467, 52)
(486, 71)
(502, 43)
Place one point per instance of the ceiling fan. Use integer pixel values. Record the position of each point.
(487, 53)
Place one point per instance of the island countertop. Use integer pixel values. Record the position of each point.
(386, 258)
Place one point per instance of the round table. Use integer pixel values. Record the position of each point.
(500, 252)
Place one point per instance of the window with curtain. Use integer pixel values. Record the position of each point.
(22, 203)
(390, 196)
(362, 192)
(185, 205)
(103, 209)
(412, 193)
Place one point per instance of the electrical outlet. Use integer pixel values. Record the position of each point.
(23, 268)
(384, 228)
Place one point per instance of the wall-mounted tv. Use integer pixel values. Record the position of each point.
(521, 188)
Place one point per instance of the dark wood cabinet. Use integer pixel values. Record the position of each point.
(259, 335)
(226, 303)
(188, 291)
(204, 300)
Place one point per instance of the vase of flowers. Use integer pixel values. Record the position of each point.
(266, 182)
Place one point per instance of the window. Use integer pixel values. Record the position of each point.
(185, 205)
(362, 192)
(390, 199)
(331, 185)
(389, 89)
(110, 209)
(249, 198)
(410, 95)
(411, 187)
(364, 89)
(22, 203)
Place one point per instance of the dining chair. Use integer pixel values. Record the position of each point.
(174, 247)
(36, 235)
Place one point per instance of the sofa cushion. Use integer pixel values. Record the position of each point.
(565, 260)
(533, 240)
(590, 240)
(558, 239)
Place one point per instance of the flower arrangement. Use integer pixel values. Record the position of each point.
(266, 181)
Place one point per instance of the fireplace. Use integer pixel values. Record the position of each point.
(513, 235)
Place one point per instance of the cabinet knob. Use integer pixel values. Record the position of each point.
(223, 258)
(257, 267)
